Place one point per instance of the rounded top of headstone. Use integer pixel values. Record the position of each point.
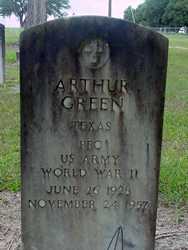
(94, 22)
(94, 38)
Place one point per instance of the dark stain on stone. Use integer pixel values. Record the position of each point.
(129, 244)
(147, 155)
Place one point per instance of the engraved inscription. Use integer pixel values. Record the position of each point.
(91, 126)
(88, 94)
(108, 190)
(63, 172)
(89, 145)
(66, 190)
(134, 173)
(108, 173)
(92, 85)
(118, 190)
(104, 160)
(63, 204)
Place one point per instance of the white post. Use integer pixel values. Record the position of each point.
(2, 54)
(110, 8)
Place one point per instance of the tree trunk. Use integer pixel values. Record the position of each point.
(22, 23)
(36, 13)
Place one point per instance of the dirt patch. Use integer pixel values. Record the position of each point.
(172, 225)
(172, 229)
(10, 229)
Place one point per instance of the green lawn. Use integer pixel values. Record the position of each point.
(9, 118)
(178, 40)
(12, 36)
(174, 165)
(9, 140)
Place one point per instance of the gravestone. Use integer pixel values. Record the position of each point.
(92, 100)
(2, 54)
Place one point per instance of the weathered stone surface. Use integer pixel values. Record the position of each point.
(2, 54)
(92, 98)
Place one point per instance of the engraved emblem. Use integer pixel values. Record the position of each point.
(116, 242)
(94, 54)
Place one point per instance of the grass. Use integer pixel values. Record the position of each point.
(9, 140)
(12, 36)
(174, 164)
(12, 75)
(178, 40)
(12, 41)
(10, 55)
(9, 119)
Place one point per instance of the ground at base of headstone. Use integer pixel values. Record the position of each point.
(172, 225)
